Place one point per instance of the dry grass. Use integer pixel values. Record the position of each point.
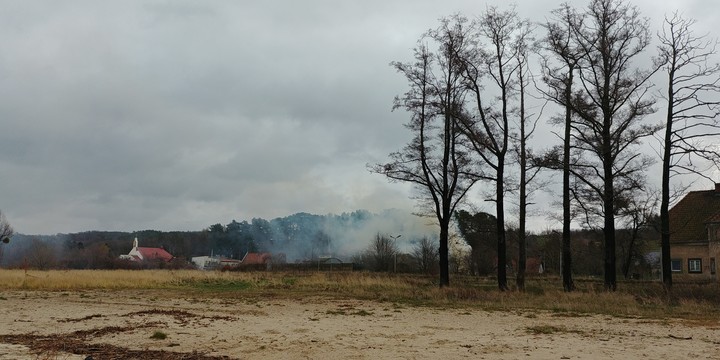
(96, 279)
(696, 302)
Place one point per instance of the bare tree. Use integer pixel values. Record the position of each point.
(637, 214)
(435, 160)
(6, 232)
(41, 255)
(610, 110)
(426, 255)
(692, 113)
(559, 79)
(488, 127)
(383, 251)
(529, 170)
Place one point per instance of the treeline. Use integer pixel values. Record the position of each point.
(636, 251)
(318, 242)
(96, 249)
(300, 237)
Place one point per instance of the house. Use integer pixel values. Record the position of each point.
(256, 258)
(205, 262)
(146, 254)
(225, 262)
(214, 262)
(256, 261)
(220, 262)
(695, 235)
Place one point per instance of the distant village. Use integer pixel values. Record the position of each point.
(156, 257)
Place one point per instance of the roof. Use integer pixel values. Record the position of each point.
(226, 261)
(256, 258)
(690, 216)
(154, 254)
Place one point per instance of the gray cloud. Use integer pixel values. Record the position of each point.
(176, 115)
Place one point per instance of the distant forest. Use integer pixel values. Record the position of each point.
(301, 236)
(350, 237)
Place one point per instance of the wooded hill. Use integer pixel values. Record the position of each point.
(347, 236)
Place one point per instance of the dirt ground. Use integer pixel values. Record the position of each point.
(120, 325)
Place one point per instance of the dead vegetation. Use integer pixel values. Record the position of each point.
(83, 342)
(693, 303)
(79, 343)
(206, 320)
(633, 298)
(183, 317)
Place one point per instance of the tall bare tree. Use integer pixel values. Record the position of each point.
(610, 111)
(435, 160)
(693, 86)
(528, 169)
(559, 79)
(487, 125)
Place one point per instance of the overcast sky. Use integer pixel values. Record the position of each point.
(174, 115)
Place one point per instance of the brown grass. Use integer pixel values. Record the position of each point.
(97, 279)
(634, 299)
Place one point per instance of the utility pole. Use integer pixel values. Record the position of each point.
(395, 261)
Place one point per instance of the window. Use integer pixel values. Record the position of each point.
(712, 266)
(695, 266)
(676, 265)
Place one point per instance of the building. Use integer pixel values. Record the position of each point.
(256, 259)
(147, 254)
(219, 262)
(695, 236)
(205, 262)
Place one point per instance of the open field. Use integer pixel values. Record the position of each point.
(212, 315)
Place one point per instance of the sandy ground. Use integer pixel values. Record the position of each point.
(329, 329)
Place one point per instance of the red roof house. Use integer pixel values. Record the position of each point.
(256, 258)
(140, 254)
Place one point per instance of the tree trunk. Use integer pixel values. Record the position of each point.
(502, 246)
(609, 230)
(568, 284)
(629, 256)
(522, 246)
(665, 196)
(444, 254)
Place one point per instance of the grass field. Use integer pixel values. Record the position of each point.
(646, 299)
